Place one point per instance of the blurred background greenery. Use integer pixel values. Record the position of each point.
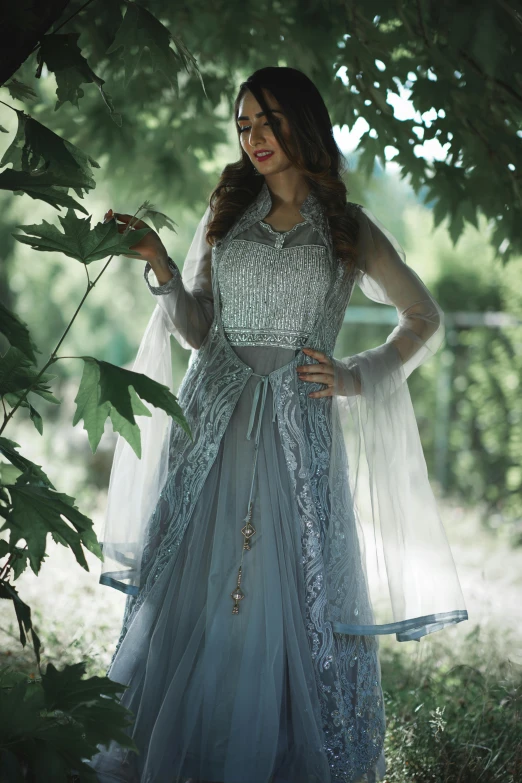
(440, 168)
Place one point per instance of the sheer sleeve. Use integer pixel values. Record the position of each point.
(384, 277)
(408, 563)
(186, 299)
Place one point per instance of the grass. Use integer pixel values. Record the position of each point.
(453, 701)
(453, 713)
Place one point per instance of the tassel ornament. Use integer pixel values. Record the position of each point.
(237, 594)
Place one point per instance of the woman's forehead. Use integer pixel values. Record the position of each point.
(250, 105)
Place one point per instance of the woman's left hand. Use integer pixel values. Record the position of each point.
(322, 373)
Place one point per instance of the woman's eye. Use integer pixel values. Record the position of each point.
(247, 127)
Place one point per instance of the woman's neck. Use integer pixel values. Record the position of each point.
(288, 190)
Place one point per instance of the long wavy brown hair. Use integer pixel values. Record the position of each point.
(314, 152)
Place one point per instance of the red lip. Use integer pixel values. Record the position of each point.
(265, 157)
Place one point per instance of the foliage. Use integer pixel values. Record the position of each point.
(461, 67)
(53, 724)
(132, 78)
(32, 509)
(484, 450)
(486, 438)
(79, 241)
(449, 722)
(50, 728)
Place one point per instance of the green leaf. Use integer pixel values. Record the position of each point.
(21, 708)
(34, 471)
(38, 185)
(62, 55)
(8, 475)
(11, 766)
(23, 615)
(20, 91)
(20, 561)
(17, 333)
(36, 419)
(126, 429)
(88, 404)
(140, 31)
(94, 703)
(35, 147)
(56, 724)
(17, 374)
(159, 219)
(106, 390)
(79, 241)
(37, 511)
(13, 398)
(3, 130)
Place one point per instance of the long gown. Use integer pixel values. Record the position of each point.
(249, 642)
(233, 697)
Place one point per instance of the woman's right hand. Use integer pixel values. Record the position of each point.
(150, 247)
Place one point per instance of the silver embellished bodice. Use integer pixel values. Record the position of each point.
(273, 285)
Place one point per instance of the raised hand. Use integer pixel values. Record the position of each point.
(151, 248)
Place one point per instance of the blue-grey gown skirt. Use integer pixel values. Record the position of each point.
(233, 698)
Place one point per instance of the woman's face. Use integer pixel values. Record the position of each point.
(256, 135)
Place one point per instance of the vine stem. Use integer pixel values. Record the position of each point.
(10, 560)
(53, 356)
(9, 106)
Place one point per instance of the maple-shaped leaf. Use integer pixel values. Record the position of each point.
(159, 219)
(62, 55)
(91, 702)
(8, 449)
(37, 511)
(38, 185)
(20, 91)
(3, 130)
(17, 373)
(79, 241)
(36, 147)
(17, 333)
(139, 32)
(109, 391)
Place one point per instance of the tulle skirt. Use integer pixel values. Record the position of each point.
(234, 698)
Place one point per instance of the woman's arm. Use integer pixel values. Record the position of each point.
(186, 298)
(385, 277)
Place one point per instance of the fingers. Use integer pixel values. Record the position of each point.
(319, 355)
(124, 220)
(308, 372)
(323, 393)
(315, 377)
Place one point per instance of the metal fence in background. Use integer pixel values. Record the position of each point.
(454, 322)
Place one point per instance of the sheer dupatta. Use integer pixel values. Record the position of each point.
(408, 583)
(185, 309)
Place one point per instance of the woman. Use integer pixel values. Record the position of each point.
(249, 644)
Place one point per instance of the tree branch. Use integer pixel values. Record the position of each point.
(503, 86)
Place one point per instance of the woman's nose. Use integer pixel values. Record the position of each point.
(256, 134)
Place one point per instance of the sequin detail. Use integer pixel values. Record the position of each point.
(271, 296)
(170, 285)
(347, 676)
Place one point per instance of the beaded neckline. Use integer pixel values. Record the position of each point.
(281, 233)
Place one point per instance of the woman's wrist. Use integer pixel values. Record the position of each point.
(160, 267)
